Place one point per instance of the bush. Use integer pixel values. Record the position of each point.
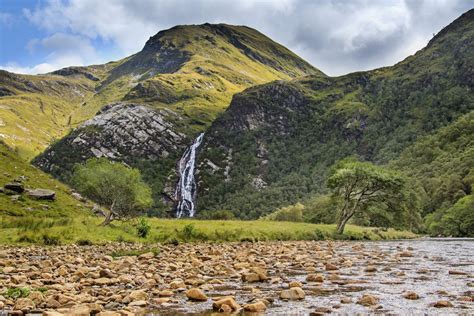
(143, 227)
(222, 215)
(84, 242)
(292, 213)
(321, 209)
(49, 240)
(15, 293)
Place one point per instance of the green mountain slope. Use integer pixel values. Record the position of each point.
(12, 168)
(274, 144)
(443, 165)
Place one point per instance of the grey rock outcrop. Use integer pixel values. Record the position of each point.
(120, 131)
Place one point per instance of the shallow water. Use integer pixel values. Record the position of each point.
(426, 272)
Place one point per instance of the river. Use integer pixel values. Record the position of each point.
(424, 270)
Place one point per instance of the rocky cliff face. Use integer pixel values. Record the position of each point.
(125, 132)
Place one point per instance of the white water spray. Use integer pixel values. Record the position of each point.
(185, 192)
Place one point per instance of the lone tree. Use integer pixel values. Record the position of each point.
(113, 185)
(360, 185)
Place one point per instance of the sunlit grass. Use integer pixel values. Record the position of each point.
(36, 230)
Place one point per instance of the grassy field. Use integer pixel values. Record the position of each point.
(85, 230)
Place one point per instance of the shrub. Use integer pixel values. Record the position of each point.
(217, 215)
(143, 227)
(50, 240)
(292, 213)
(15, 293)
(84, 242)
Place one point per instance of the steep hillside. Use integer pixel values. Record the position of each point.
(443, 165)
(161, 97)
(14, 168)
(274, 144)
(34, 110)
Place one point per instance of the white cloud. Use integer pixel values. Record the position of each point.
(62, 50)
(337, 36)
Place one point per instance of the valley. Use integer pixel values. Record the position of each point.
(215, 170)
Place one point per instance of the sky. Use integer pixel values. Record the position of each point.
(336, 36)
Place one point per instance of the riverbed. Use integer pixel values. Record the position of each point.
(388, 277)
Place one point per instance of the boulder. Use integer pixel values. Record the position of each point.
(24, 304)
(229, 301)
(16, 187)
(442, 304)
(368, 300)
(294, 293)
(41, 194)
(138, 295)
(80, 310)
(196, 294)
(331, 267)
(315, 278)
(294, 284)
(257, 307)
(410, 295)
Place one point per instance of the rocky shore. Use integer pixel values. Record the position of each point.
(267, 277)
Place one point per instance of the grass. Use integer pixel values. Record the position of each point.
(85, 231)
(33, 212)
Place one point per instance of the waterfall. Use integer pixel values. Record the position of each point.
(185, 192)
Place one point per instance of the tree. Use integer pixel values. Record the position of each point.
(360, 185)
(113, 185)
(459, 219)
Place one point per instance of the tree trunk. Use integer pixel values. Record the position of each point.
(342, 223)
(108, 219)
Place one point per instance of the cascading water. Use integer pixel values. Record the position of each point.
(185, 192)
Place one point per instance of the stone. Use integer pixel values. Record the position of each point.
(138, 303)
(225, 308)
(147, 255)
(331, 267)
(368, 300)
(196, 294)
(166, 293)
(257, 307)
(405, 254)
(411, 295)
(16, 187)
(442, 304)
(229, 301)
(294, 293)
(321, 311)
(315, 278)
(108, 313)
(346, 300)
(177, 284)
(24, 304)
(370, 269)
(41, 194)
(52, 313)
(106, 273)
(138, 295)
(295, 284)
(457, 272)
(36, 297)
(80, 310)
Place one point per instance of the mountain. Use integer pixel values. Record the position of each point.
(274, 144)
(146, 109)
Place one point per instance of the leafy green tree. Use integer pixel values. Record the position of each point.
(113, 185)
(361, 185)
(459, 219)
